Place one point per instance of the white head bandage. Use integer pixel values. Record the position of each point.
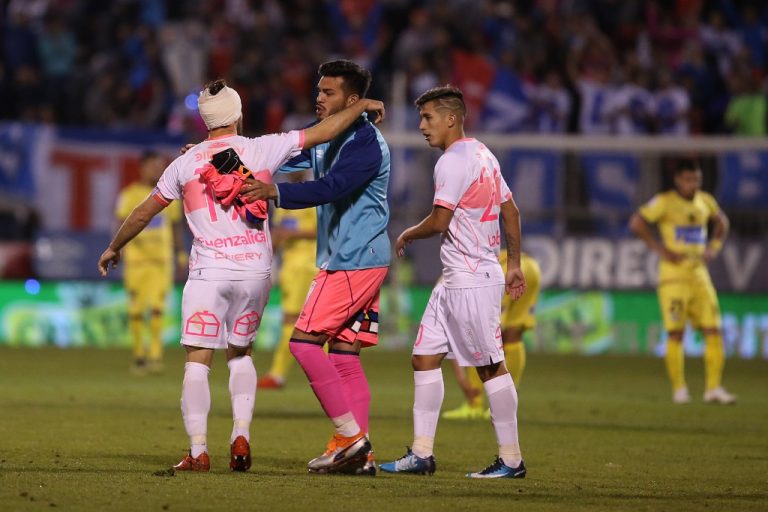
(221, 109)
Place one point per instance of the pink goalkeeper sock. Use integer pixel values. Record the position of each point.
(322, 377)
(355, 384)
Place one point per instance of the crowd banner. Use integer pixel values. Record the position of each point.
(79, 172)
(612, 182)
(17, 154)
(744, 182)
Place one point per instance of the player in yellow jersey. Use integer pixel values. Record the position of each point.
(294, 233)
(148, 260)
(516, 318)
(685, 289)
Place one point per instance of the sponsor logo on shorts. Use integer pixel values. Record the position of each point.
(247, 324)
(203, 323)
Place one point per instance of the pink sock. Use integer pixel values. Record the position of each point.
(355, 384)
(322, 377)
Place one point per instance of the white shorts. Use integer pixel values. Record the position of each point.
(215, 313)
(464, 324)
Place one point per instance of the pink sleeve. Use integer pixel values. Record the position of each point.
(159, 199)
(452, 179)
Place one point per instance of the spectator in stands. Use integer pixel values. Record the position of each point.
(163, 50)
(720, 41)
(700, 81)
(551, 104)
(630, 105)
(751, 31)
(590, 60)
(672, 106)
(57, 50)
(747, 108)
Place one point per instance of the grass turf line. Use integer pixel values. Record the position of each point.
(81, 433)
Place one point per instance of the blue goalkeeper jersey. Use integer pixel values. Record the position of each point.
(350, 192)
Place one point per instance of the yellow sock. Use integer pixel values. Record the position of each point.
(136, 328)
(477, 384)
(282, 359)
(156, 337)
(714, 360)
(675, 359)
(514, 353)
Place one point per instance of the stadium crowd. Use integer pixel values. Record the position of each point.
(586, 66)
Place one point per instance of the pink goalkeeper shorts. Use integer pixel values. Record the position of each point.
(344, 304)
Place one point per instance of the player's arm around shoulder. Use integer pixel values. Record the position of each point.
(360, 159)
(333, 126)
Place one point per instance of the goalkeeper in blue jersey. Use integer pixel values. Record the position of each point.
(351, 176)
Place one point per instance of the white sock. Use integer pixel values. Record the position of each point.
(502, 397)
(346, 425)
(427, 400)
(195, 405)
(242, 390)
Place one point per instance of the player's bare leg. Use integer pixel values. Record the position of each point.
(474, 400)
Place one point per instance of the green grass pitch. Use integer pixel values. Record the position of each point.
(77, 432)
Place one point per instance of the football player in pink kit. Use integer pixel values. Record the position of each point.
(230, 261)
(462, 317)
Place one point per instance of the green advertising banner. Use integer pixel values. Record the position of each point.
(93, 314)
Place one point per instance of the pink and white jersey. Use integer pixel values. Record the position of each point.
(224, 245)
(468, 181)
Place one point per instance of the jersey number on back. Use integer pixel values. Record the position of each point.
(488, 214)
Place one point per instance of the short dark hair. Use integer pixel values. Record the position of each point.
(685, 165)
(357, 79)
(215, 86)
(148, 155)
(447, 96)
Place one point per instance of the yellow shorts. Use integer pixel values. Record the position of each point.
(519, 313)
(294, 286)
(689, 299)
(147, 286)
